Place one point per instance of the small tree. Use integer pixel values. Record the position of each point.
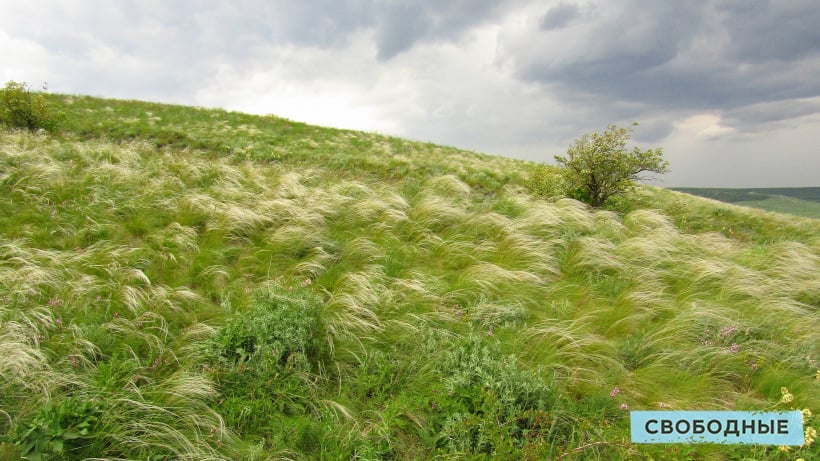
(599, 166)
(22, 108)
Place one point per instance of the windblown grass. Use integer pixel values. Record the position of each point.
(434, 307)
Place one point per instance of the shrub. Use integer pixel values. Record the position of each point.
(493, 406)
(22, 108)
(263, 358)
(546, 181)
(599, 166)
(280, 330)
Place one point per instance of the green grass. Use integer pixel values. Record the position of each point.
(181, 283)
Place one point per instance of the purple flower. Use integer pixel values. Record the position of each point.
(735, 347)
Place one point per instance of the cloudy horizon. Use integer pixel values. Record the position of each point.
(728, 88)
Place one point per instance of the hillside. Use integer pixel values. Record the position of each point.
(799, 201)
(182, 283)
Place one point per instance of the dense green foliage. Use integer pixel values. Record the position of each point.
(599, 166)
(20, 107)
(180, 283)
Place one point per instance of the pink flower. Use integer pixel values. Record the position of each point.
(726, 331)
(615, 391)
(735, 347)
(624, 406)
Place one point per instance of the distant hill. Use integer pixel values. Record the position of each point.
(800, 201)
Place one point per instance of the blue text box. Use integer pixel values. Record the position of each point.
(747, 427)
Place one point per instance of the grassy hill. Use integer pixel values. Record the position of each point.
(800, 201)
(181, 283)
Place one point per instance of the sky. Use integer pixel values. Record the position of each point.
(730, 89)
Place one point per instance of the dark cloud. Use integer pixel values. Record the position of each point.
(401, 25)
(755, 116)
(559, 16)
(771, 30)
(684, 56)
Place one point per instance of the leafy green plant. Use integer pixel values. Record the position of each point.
(280, 330)
(66, 429)
(546, 181)
(492, 405)
(264, 357)
(20, 107)
(599, 166)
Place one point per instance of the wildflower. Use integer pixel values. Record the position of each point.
(615, 391)
(787, 397)
(735, 347)
(806, 414)
(58, 321)
(624, 406)
(810, 436)
(726, 331)
(489, 332)
(784, 448)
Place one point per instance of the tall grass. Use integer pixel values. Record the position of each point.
(438, 296)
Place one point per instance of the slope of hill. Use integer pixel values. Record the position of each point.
(799, 201)
(181, 283)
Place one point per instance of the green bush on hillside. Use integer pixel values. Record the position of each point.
(279, 331)
(493, 407)
(20, 107)
(599, 166)
(263, 358)
(546, 182)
